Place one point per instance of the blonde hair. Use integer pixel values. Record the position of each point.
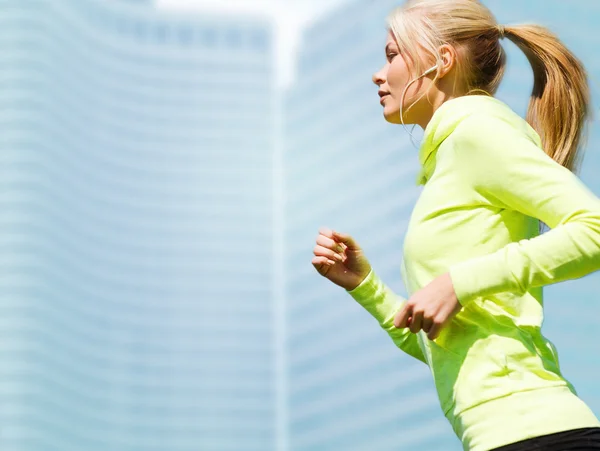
(559, 104)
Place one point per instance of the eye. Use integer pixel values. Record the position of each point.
(391, 56)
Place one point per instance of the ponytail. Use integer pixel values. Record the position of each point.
(559, 105)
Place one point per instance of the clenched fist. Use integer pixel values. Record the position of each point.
(339, 259)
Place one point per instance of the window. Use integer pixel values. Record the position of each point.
(233, 38)
(260, 41)
(186, 35)
(161, 33)
(209, 38)
(140, 30)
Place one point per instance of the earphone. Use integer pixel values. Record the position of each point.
(427, 72)
(430, 70)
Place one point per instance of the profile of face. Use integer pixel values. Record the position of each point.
(392, 80)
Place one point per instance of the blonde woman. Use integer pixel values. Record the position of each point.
(474, 260)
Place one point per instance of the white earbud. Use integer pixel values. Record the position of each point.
(430, 70)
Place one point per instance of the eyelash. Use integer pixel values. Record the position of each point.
(391, 56)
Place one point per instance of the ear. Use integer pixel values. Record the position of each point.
(447, 60)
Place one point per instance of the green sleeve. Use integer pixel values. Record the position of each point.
(383, 304)
(508, 168)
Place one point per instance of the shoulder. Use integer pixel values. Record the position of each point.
(481, 126)
(493, 136)
(489, 150)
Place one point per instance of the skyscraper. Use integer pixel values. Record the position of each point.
(136, 229)
(349, 387)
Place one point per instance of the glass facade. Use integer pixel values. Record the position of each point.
(136, 229)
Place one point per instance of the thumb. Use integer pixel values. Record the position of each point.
(346, 239)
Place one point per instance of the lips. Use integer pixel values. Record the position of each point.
(382, 96)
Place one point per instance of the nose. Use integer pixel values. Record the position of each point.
(379, 77)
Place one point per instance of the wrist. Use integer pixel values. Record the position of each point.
(359, 282)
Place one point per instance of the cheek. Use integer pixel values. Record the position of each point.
(397, 75)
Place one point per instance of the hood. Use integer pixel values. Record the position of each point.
(445, 120)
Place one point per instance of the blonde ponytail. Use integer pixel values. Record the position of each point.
(559, 105)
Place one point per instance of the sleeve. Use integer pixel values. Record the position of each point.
(509, 169)
(383, 304)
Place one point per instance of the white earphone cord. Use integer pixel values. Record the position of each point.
(427, 72)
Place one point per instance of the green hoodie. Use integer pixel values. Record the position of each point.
(487, 181)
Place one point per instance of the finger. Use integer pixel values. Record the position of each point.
(426, 324)
(322, 240)
(346, 239)
(321, 251)
(321, 263)
(401, 318)
(326, 232)
(435, 330)
(417, 321)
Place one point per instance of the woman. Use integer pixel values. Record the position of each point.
(474, 260)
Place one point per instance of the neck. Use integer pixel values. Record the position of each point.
(435, 101)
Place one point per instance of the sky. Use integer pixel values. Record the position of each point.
(290, 17)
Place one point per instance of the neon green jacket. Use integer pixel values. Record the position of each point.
(487, 181)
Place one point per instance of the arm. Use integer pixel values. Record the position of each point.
(381, 302)
(511, 171)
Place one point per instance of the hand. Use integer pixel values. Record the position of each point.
(430, 308)
(339, 259)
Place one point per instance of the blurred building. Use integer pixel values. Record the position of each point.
(345, 168)
(136, 263)
(349, 386)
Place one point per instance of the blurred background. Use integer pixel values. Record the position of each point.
(164, 170)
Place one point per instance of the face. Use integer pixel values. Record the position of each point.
(392, 80)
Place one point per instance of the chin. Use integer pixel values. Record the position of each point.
(393, 117)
